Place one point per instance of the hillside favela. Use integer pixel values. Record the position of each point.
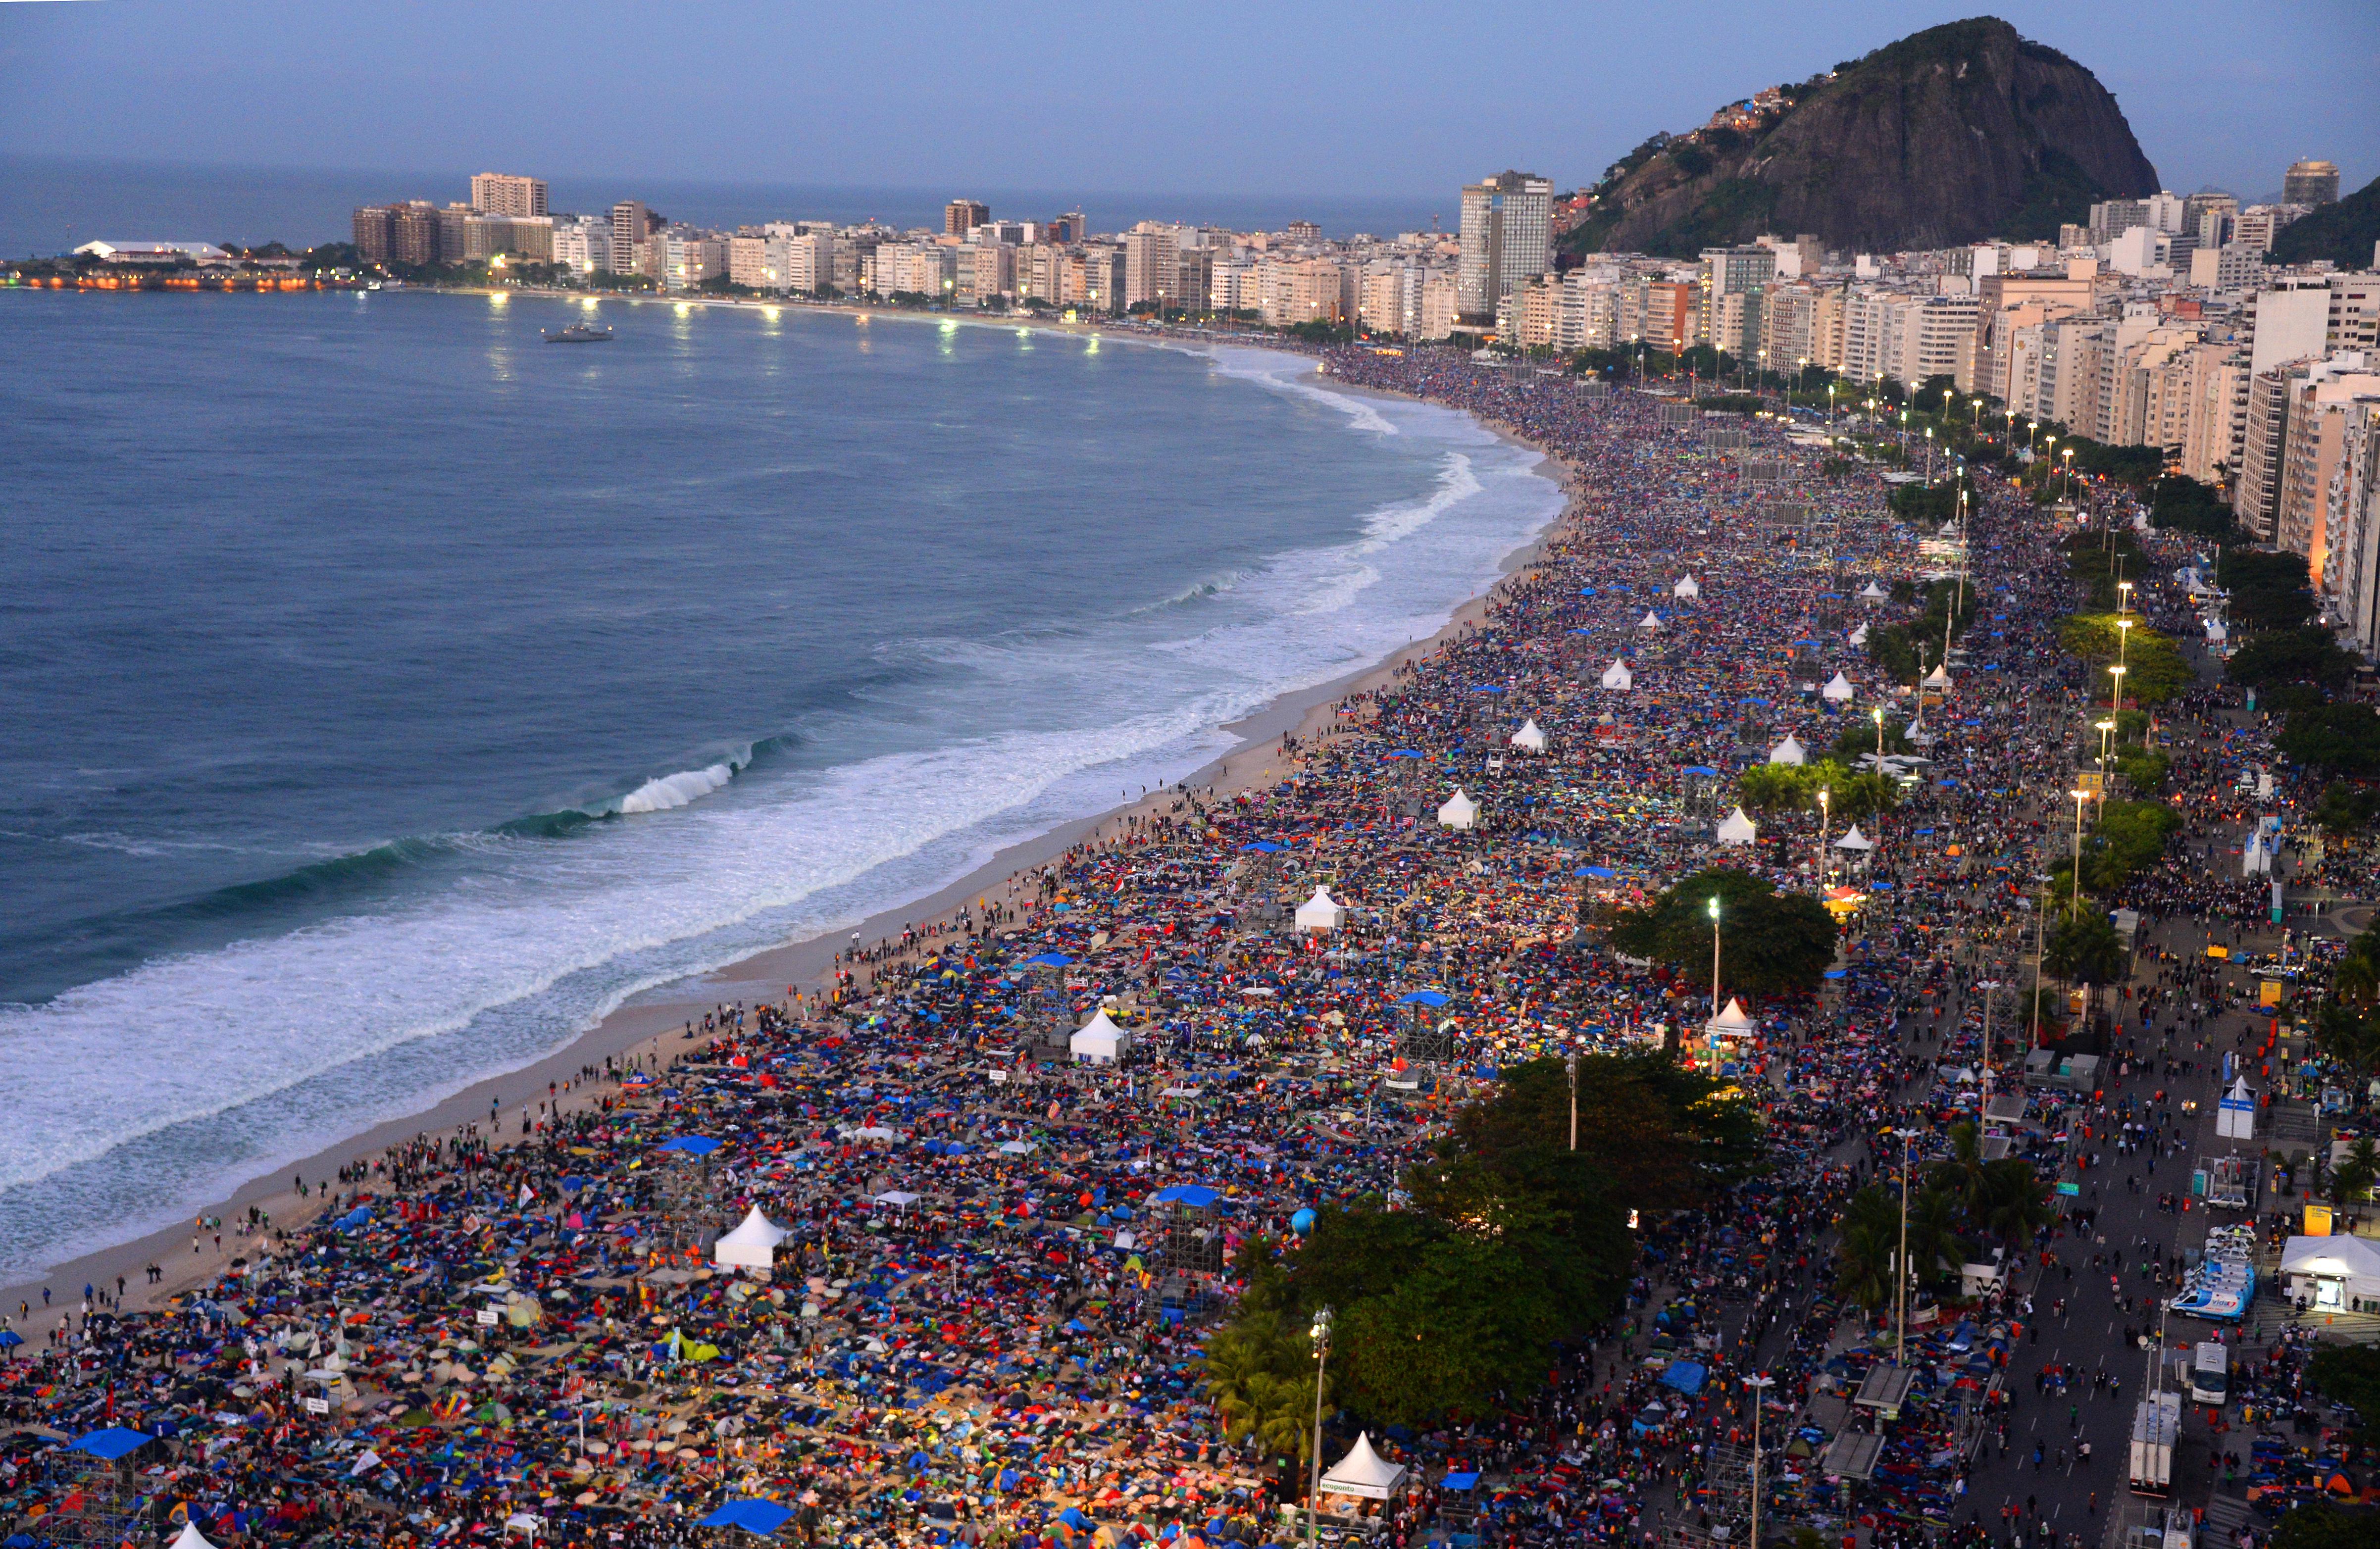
(1674, 857)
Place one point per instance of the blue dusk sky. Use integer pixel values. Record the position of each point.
(1382, 99)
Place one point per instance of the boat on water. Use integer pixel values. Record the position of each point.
(578, 333)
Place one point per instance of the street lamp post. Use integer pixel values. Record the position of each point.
(1759, 1387)
(1569, 1069)
(1877, 715)
(1714, 915)
(2082, 800)
(1901, 1264)
(1321, 1334)
(1824, 810)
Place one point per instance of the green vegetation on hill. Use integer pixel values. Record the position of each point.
(2343, 233)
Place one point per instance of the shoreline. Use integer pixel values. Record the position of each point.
(650, 1025)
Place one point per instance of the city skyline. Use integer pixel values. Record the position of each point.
(442, 85)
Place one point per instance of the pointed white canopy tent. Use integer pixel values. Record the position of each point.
(752, 1245)
(1859, 635)
(1790, 751)
(1687, 587)
(2216, 632)
(1364, 1473)
(1321, 912)
(1854, 840)
(1938, 678)
(1617, 675)
(1873, 593)
(1530, 738)
(1650, 621)
(1839, 689)
(1732, 1023)
(1736, 828)
(1098, 1041)
(190, 1538)
(1460, 811)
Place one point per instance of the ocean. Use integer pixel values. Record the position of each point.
(392, 694)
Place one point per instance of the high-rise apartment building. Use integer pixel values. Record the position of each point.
(1734, 281)
(963, 215)
(1152, 266)
(2310, 183)
(631, 223)
(1506, 229)
(503, 193)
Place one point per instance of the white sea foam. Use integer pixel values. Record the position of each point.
(1294, 375)
(139, 1096)
(676, 790)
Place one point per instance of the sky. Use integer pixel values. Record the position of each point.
(1367, 98)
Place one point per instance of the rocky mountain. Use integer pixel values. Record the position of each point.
(1955, 134)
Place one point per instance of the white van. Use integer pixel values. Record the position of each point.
(2210, 1375)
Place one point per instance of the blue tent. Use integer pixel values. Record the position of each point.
(112, 1443)
(1048, 959)
(1602, 871)
(1686, 1377)
(693, 1145)
(762, 1518)
(1423, 997)
(1197, 1195)
(1263, 845)
(1704, 769)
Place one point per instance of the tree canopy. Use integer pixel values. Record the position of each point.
(2154, 668)
(1850, 794)
(2340, 740)
(2307, 654)
(1769, 943)
(1512, 1242)
(2267, 590)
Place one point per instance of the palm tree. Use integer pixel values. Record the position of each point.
(1871, 1237)
(2357, 977)
(1933, 1235)
(2351, 1179)
(2016, 1201)
(1960, 1175)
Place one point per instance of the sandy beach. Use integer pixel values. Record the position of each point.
(650, 1029)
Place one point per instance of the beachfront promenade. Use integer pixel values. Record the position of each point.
(986, 1308)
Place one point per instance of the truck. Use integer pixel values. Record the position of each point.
(2210, 1373)
(2156, 1424)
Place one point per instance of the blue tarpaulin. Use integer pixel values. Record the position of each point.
(1686, 1377)
(754, 1516)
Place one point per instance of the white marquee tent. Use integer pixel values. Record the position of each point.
(1854, 840)
(752, 1245)
(1098, 1041)
(1839, 689)
(1321, 912)
(1530, 738)
(1873, 593)
(1736, 828)
(1617, 675)
(1732, 1023)
(1364, 1473)
(1859, 635)
(1790, 751)
(1938, 678)
(1650, 621)
(1460, 811)
(1687, 587)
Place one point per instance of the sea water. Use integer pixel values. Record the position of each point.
(390, 693)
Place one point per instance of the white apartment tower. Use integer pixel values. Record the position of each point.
(502, 193)
(1507, 231)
